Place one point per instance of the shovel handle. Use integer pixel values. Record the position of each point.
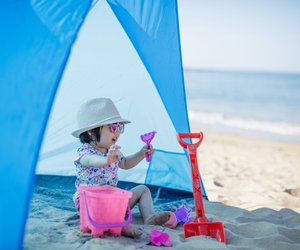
(190, 136)
(184, 144)
(191, 147)
(192, 151)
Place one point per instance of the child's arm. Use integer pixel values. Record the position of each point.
(132, 160)
(94, 161)
(97, 161)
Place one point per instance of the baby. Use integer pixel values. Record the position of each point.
(99, 158)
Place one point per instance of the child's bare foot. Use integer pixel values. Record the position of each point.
(132, 231)
(158, 219)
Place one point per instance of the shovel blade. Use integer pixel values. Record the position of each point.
(210, 229)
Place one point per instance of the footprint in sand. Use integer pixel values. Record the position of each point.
(293, 191)
(218, 184)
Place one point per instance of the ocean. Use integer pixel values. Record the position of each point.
(263, 105)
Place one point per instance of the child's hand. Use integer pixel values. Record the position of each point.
(145, 150)
(113, 154)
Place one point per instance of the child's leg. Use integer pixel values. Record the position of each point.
(142, 195)
(132, 231)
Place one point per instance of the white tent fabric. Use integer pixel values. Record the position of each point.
(92, 71)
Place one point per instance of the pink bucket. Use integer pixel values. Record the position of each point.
(103, 208)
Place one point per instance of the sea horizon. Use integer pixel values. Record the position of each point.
(259, 104)
(246, 71)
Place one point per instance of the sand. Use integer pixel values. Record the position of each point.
(253, 186)
(250, 173)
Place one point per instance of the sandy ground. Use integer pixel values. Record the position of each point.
(253, 186)
(250, 173)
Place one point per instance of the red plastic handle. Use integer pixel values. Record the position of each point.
(192, 151)
(191, 147)
(184, 144)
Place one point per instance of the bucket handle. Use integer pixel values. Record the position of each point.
(107, 225)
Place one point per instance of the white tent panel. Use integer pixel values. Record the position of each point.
(103, 63)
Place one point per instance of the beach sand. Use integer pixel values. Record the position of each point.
(252, 184)
(250, 173)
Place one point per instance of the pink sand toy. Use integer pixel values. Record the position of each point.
(172, 222)
(103, 208)
(158, 238)
(147, 138)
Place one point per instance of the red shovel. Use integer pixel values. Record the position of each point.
(201, 225)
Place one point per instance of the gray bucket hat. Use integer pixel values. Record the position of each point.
(95, 113)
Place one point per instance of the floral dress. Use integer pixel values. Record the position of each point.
(90, 176)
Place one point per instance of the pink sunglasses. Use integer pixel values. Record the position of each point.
(115, 126)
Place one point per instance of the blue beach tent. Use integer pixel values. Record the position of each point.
(56, 54)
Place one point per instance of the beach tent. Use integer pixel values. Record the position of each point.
(56, 54)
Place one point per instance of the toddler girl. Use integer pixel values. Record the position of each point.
(99, 157)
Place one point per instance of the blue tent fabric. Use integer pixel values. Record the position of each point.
(36, 41)
(35, 45)
(171, 168)
(153, 30)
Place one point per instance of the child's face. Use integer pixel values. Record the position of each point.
(109, 134)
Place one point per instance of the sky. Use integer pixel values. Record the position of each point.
(248, 35)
